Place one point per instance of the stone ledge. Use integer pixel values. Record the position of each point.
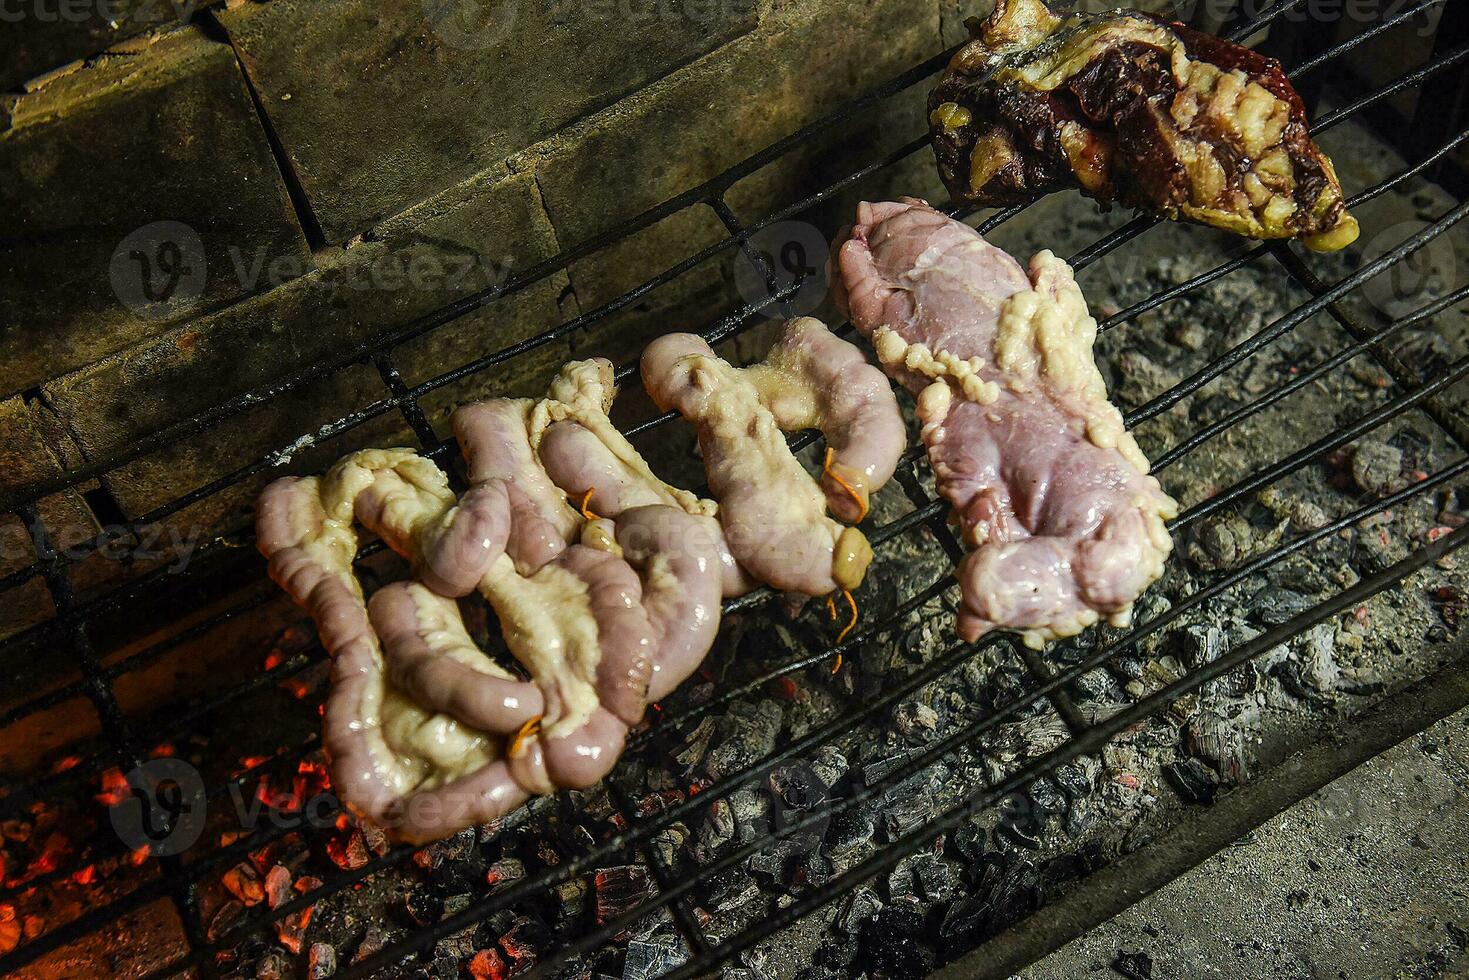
(132, 189)
(436, 254)
(460, 97)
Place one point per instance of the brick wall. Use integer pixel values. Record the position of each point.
(206, 207)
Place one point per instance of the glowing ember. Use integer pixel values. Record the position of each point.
(487, 965)
(10, 929)
(348, 853)
(114, 788)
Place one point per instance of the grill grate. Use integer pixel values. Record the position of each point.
(178, 880)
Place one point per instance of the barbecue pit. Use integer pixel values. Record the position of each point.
(804, 808)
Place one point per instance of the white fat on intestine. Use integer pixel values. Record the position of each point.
(1046, 332)
(413, 749)
(582, 393)
(548, 625)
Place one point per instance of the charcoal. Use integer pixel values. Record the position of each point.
(968, 841)
(1077, 778)
(1095, 686)
(751, 814)
(1020, 823)
(1377, 467)
(621, 889)
(695, 745)
(908, 805)
(875, 770)
(963, 922)
(1080, 816)
(1218, 741)
(523, 941)
(647, 959)
(860, 908)
(775, 861)
(717, 829)
(837, 952)
(1320, 671)
(891, 945)
(570, 901)
(1046, 798)
(504, 873)
(1017, 895)
(797, 786)
(815, 868)
(1240, 682)
(745, 735)
(729, 890)
(916, 720)
(1135, 965)
(230, 914)
(851, 828)
(322, 962)
(1222, 541)
(1274, 605)
(373, 941)
(487, 964)
(272, 966)
(1129, 666)
(829, 765)
(1193, 780)
(668, 841)
(933, 877)
(421, 907)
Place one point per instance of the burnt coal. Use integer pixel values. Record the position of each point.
(729, 890)
(837, 952)
(1274, 605)
(851, 828)
(1135, 965)
(797, 786)
(892, 943)
(963, 922)
(650, 958)
(621, 889)
(921, 876)
(860, 908)
(968, 841)
(1193, 780)
(909, 805)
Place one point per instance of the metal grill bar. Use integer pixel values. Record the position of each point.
(928, 512)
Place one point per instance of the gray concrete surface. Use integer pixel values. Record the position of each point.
(1369, 877)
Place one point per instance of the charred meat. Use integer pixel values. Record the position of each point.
(1132, 109)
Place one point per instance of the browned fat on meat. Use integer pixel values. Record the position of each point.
(1131, 109)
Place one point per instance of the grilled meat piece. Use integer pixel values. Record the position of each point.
(1046, 484)
(772, 511)
(1129, 108)
(422, 773)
